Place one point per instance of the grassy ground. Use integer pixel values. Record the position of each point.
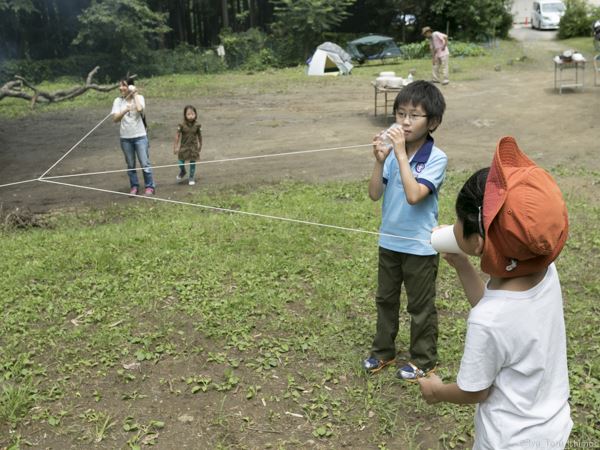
(273, 311)
(264, 323)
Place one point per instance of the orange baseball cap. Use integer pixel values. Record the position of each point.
(524, 215)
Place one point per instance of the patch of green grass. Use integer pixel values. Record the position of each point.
(251, 83)
(278, 312)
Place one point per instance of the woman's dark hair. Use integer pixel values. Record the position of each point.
(189, 107)
(128, 81)
(427, 96)
(469, 203)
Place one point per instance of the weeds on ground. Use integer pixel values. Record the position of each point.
(262, 322)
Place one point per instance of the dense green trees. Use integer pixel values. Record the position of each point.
(578, 19)
(125, 29)
(265, 32)
(37, 29)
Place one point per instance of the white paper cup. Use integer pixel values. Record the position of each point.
(443, 240)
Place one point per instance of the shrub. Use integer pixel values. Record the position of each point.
(458, 48)
(419, 50)
(77, 66)
(416, 50)
(246, 49)
(184, 59)
(576, 21)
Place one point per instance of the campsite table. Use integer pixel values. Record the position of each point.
(385, 91)
(560, 66)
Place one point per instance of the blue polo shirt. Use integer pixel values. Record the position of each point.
(398, 217)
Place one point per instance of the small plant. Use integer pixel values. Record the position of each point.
(15, 400)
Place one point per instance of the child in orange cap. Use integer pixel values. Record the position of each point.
(514, 364)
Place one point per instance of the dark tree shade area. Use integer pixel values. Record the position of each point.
(46, 28)
(46, 38)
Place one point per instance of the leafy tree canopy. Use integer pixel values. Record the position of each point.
(17, 6)
(475, 19)
(305, 21)
(127, 29)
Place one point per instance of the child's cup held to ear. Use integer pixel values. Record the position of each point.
(444, 241)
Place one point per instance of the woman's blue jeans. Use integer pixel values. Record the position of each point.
(137, 146)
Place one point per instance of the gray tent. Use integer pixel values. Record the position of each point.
(373, 47)
(329, 59)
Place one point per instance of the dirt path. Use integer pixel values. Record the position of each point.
(555, 130)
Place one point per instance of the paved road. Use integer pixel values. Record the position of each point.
(525, 33)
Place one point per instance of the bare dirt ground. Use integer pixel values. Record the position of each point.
(555, 130)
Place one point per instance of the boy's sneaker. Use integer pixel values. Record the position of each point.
(192, 182)
(149, 192)
(181, 175)
(410, 372)
(133, 190)
(374, 365)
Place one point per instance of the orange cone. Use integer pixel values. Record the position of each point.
(526, 20)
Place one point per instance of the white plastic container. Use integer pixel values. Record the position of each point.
(389, 82)
(395, 82)
(387, 74)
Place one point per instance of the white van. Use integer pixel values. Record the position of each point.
(546, 14)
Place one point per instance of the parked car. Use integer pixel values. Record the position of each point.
(546, 14)
(404, 19)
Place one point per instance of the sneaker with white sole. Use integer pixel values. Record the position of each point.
(133, 190)
(191, 182)
(181, 175)
(149, 192)
(374, 365)
(410, 372)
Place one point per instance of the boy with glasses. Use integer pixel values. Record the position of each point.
(408, 174)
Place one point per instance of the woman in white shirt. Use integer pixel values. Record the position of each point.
(129, 109)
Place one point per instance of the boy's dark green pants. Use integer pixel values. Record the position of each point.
(418, 274)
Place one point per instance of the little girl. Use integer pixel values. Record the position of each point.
(188, 143)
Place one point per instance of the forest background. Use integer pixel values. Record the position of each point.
(46, 39)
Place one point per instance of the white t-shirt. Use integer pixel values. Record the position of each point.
(516, 343)
(131, 123)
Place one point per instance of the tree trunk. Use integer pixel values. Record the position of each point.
(252, 10)
(225, 13)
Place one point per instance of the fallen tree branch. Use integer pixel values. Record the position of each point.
(15, 87)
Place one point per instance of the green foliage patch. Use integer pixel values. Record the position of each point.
(275, 316)
(578, 19)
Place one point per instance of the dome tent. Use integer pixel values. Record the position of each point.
(329, 59)
(373, 47)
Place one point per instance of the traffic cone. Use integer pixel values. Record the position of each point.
(526, 21)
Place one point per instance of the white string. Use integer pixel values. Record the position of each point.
(44, 179)
(241, 158)
(18, 182)
(246, 213)
(75, 146)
